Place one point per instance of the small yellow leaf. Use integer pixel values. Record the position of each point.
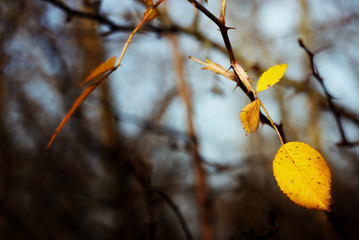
(303, 175)
(250, 116)
(271, 77)
(102, 68)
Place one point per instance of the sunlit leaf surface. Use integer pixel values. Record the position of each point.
(250, 116)
(303, 175)
(271, 77)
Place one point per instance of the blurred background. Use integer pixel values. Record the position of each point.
(122, 167)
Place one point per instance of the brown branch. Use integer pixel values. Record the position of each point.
(329, 97)
(222, 28)
(224, 32)
(177, 212)
(72, 13)
(4, 61)
(202, 190)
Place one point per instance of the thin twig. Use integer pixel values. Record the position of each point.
(177, 212)
(329, 97)
(200, 173)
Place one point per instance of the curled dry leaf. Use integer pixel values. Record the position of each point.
(303, 175)
(216, 68)
(250, 116)
(100, 69)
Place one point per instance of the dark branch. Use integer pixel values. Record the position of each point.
(329, 97)
(72, 13)
(177, 212)
(224, 31)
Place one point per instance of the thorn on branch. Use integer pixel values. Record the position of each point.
(230, 28)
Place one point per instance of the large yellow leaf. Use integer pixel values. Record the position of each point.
(100, 69)
(250, 116)
(303, 175)
(271, 77)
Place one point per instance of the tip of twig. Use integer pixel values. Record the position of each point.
(230, 28)
(345, 143)
(300, 42)
(48, 148)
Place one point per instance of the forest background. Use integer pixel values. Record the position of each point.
(122, 167)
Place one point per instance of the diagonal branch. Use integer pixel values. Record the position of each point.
(202, 189)
(329, 97)
(177, 212)
(114, 27)
(224, 32)
(72, 13)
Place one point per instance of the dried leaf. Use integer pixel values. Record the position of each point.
(102, 68)
(215, 67)
(250, 116)
(271, 77)
(242, 75)
(73, 108)
(303, 175)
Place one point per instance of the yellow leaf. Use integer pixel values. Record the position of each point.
(102, 68)
(250, 116)
(303, 175)
(271, 77)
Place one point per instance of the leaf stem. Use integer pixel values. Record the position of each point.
(271, 121)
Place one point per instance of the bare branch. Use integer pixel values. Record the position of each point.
(200, 173)
(329, 97)
(224, 31)
(177, 212)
